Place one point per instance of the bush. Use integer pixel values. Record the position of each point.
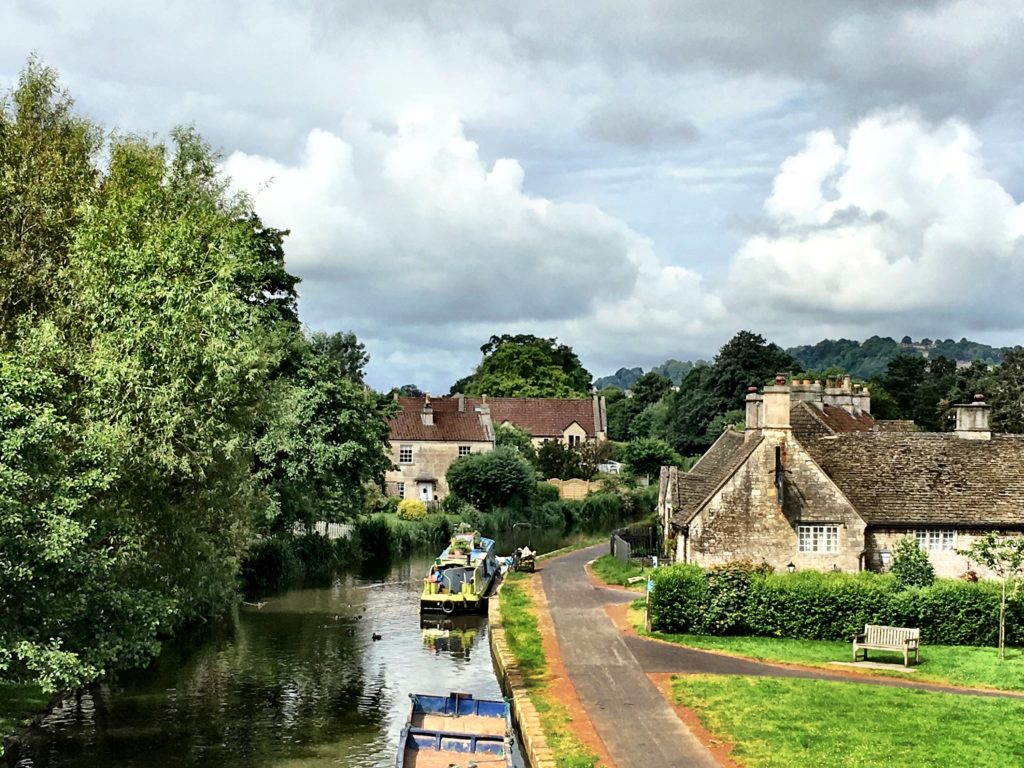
(910, 565)
(740, 598)
(498, 478)
(412, 509)
(391, 504)
(269, 565)
(544, 492)
(315, 553)
(599, 510)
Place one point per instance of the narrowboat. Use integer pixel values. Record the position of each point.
(455, 730)
(461, 578)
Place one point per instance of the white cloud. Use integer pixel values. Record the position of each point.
(902, 225)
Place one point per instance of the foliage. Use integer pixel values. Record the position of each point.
(931, 731)
(625, 378)
(347, 354)
(412, 509)
(611, 570)
(510, 436)
(646, 456)
(910, 564)
(624, 413)
(494, 479)
(1005, 558)
(526, 366)
(555, 459)
(828, 606)
(921, 389)
(1008, 393)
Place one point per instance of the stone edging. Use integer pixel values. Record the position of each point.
(533, 743)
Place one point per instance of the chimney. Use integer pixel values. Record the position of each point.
(972, 420)
(754, 409)
(862, 400)
(427, 416)
(776, 405)
(461, 400)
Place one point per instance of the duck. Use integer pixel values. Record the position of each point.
(375, 637)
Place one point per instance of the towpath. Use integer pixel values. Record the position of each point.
(609, 670)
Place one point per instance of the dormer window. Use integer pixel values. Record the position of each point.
(575, 440)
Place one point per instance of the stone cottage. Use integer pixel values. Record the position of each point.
(428, 434)
(814, 481)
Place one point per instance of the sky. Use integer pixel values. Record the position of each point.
(639, 179)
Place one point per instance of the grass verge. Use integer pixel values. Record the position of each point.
(949, 664)
(584, 541)
(523, 635)
(777, 723)
(18, 704)
(610, 570)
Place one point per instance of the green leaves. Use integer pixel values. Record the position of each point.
(526, 366)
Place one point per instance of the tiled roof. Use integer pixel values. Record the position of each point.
(450, 425)
(896, 425)
(714, 468)
(927, 478)
(810, 422)
(541, 417)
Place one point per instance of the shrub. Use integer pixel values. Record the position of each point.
(728, 587)
(544, 492)
(270, 564)
(679, 599)
(412, 509)
(315, 553)
(599, 510)
(390, 504)
(910, 565)
(498, 478)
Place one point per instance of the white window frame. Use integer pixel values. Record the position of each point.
(405, 454)
(401, 489)
(936, 539)
(820, 539)
(465, 450)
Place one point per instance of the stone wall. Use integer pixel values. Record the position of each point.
(948, 564)
(533, 743)
(745, 521)
(430, 460)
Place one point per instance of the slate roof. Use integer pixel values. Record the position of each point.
(926, 478)
(541, 417)
(450, 425)
(714, 468)
(810, 422)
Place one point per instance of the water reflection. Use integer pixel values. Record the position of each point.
(298, 681)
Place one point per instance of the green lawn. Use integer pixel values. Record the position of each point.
(611, 571)
(18, 703)
(524, 642)
(953, 664)
(779, 723)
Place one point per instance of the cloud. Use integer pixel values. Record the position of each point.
(902, 226)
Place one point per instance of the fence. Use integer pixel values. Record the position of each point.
(330, 530)
(636, 541)
(620, 549)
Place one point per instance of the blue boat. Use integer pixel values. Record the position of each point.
(455, 730)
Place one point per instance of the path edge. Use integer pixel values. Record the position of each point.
(533, 742)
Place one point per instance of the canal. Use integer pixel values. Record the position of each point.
(298, 682)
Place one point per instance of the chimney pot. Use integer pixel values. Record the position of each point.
(979, 398)
(780, 380)
(751, 390)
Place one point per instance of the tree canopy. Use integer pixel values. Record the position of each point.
(526, 366)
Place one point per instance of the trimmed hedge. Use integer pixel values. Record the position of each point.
(738, 598)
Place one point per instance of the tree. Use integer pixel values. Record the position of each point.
(1005, 558)
(1008, 393)
(910, 564)
(519, 440)
(347, 354)
(47, 176)
(498, 478)
(647, 456)
(526, 366)
(555, 459)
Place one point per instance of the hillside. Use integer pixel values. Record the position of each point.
(624, 378)
(869, 358)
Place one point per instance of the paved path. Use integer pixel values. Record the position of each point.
(636, 723)
(609, 671)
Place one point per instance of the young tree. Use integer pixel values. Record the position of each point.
(519, 440)
(555, 459)
(1005, 558)
(648, 455)
(910, 564)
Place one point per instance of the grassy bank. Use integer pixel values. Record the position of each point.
(611, 570)
(524, 641)
(777, 723)
(18, 705)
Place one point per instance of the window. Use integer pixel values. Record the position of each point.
(405, 454)
(464, 450)
(401, 490)
(936, 541)
(574, 440)
(818, 538)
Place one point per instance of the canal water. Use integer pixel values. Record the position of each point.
(297, 682)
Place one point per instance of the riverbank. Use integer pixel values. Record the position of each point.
(19, 706)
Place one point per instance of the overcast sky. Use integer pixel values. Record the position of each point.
(640, 179)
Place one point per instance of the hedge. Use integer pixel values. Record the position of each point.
(740, 598)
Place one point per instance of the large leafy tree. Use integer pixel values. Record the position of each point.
(498, 478)
(1007, 385)
(526, 366)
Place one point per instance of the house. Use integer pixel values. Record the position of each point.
(814, 481)
(428, 434)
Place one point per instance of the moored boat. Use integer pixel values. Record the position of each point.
(456, 729)
(461, 578)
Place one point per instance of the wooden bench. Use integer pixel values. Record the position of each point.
(878, 638)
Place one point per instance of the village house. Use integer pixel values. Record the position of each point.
(428, 434)
(814, 481)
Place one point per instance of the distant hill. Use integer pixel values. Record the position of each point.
(625, 378)
(869, 358)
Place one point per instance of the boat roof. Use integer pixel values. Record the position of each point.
(486, 545)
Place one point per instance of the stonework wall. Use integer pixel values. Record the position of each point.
(429, 460)
(948, 564)
(745, 521)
